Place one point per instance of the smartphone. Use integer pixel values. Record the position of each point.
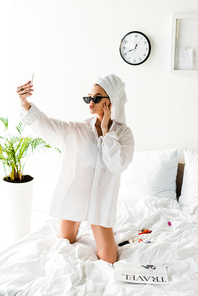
(32, 79)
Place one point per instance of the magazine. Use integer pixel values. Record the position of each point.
(140, 273)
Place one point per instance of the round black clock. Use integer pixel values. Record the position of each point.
(135, 48)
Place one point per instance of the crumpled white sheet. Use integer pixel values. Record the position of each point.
(43, 264)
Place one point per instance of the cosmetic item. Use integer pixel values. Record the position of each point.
(126, 242)
(145, 231)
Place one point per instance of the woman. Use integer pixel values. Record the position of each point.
(95, 152)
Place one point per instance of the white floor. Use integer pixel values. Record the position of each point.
(38, 218)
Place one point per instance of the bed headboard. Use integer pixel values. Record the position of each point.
(179, 179)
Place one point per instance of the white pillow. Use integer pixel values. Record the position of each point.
(151, 173)
(189, 191)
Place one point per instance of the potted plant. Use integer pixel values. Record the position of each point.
(18, 188)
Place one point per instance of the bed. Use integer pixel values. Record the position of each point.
(41, 263)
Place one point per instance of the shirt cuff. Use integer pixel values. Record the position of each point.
(28, 117)
(112, 135)
(106, 141)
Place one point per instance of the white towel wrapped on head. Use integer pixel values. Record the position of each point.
(115, 89)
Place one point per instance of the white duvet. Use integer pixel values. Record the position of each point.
(43, 264)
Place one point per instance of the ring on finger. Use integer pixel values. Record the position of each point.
(21, 88)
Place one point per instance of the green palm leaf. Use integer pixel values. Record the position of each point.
(14, 149)
(20, 127)
(39, 143)
(5, 122)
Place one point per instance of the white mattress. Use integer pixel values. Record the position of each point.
(43, 264)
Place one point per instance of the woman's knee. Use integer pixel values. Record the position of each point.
(106, 246)
(68, 230)
(108, 254)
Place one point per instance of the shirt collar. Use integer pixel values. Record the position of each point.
(93, 121)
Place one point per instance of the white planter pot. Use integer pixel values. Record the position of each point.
(18, 204)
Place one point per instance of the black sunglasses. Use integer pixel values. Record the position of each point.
(95, 99)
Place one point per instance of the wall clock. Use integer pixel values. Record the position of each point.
(135, 48)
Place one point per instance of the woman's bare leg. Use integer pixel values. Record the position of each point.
(68, 229)
(106, 246)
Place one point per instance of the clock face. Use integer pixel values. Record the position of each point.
(135, 48)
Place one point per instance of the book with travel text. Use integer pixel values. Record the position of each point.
(140, 273)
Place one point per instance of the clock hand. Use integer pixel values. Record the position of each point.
(132, 49)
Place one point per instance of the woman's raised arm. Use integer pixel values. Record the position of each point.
(51, 130)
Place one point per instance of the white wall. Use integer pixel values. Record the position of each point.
(7, 60)
(68, 43)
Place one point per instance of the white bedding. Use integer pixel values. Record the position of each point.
(43, 264)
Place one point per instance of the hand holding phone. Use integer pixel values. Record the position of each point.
(24, 91)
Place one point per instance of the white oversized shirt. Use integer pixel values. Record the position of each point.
(91, 166)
